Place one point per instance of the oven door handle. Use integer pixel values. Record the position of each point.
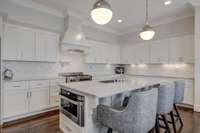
(71, 101)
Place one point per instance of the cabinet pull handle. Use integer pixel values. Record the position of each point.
(27, 95)
(17, 86)
(30, 94)
(39, 84)
(68, 128)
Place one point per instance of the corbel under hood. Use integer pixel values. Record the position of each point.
(73, 39)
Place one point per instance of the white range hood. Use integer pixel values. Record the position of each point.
(74, 39)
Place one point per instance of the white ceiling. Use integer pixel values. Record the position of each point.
(132, 12)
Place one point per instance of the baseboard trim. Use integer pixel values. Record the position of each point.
(197, 108)
(30, 118)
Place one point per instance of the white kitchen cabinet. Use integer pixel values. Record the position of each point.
(40, 52)
(181, 49)
(189, 92)
(19, 43)
(54, 92)
(126, 53)
(39, 99)
(15, 103)
(15, 99)
(46, 47)
(26, 44)
(103, 53)
(140, 53)
(113, 54)
(159, 51)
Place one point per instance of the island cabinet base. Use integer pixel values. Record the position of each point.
(90, 124)
(68, 126)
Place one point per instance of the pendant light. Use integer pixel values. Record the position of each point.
(147, 32)
(101, 12)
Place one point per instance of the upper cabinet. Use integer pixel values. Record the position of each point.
(159, 51)
(103, 53)
(46, 47)
(19, 43)
(173, 50)
(25, 44)
(181, 49)
(135, 54)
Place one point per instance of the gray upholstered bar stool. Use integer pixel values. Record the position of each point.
(166, 94)
(137, 117)
(178, 98)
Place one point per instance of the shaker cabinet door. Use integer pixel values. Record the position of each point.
(15, 103)
(39, 99)
(19, 43)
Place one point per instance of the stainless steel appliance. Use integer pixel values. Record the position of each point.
(119, 70)
(72, 106)
(76, 76)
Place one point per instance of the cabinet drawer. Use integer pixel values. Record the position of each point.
(38, 84)
(15, 85)
(57, 82)
(69, 126)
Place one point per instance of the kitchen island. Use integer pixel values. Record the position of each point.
(95, 93)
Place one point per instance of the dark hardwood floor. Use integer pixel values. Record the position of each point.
(50, 124)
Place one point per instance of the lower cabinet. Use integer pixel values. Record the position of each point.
(15, 103)
(26, 97)
(39, 99)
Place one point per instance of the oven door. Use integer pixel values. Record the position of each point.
(71, 109)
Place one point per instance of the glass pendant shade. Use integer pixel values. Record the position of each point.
(147, 33)
(101, 12)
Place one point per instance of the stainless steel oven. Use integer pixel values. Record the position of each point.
(72, 106)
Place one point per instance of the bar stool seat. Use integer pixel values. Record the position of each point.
(137, 117)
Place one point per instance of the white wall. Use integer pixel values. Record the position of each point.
(197, 59)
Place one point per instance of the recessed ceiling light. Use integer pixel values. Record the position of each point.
(119, 20)
(168, 2)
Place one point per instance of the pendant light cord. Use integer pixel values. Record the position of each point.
(147, 12)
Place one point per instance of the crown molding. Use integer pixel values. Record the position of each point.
(38, 7)
(194, 2)
(155, 23)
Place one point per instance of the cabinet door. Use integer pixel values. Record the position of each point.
(27, 45)
(141, 53)
(189, 92)
(126, 53)
(51, 47)
(91, 55)
(39, 99)
(40, 47)
(182, 49)
(46, 47)
(19, 43)
(113, 54)
(11, 42)
(159, 51)
(15, 103)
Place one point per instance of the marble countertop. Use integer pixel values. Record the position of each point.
(32, 78)
(101, 90)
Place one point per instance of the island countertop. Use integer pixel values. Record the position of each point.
(100, 90)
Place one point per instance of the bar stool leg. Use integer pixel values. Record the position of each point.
(178, 115)
(109, 130)
(166, 124)
(157, 128)
(173, 122)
